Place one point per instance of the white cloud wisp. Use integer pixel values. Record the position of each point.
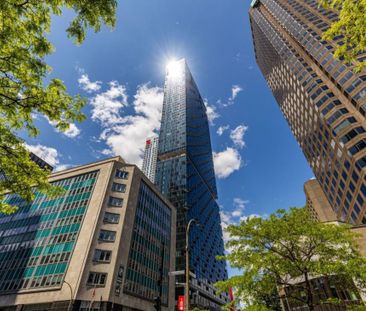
(87, 85)
(211, 112)
(237, 135)
(222, 129)
(226, 162)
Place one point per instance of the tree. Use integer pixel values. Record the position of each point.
(24, 25)
(351, 25)
(285, 251)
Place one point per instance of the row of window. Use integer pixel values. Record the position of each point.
(102, 255)
(24, 283)
(39, 256)
(311, 43)
(336, 115)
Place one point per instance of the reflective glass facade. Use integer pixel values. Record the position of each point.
(323, 99)
(150, 239)
(185, 174)
(37, 241)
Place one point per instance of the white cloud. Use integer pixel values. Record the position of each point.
(107, 105)
(72, 132)
(248, 217)
(87, 85)
(235, 90)
(228, 219)
(225, 222)
(106, 152)
(126, 136)
(48, 154)
(222, 129)
(226, 162)
(62, 167)
(237, 135)
(211, 112)
(239, 205)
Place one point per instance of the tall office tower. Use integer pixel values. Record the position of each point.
(97, 246)
(323, 99)
(185, 174)
(150, 158)
(317, 203)
(40, 162)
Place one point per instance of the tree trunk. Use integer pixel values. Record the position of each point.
(309, 292)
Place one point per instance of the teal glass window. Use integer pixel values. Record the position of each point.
(37, 241)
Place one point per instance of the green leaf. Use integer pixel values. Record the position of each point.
(24, 25)
(289, 245)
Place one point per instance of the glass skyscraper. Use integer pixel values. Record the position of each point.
(322, 98)
(150, 157)
(185, 174)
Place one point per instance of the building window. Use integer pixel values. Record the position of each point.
(50, 240)
(121, 174)
(102, 255)
(360, 145)
(116, 202)
(138, 273)
(106, 235)
(361, 163)
(96, 278)
(352, 134)
(116, 187)
(111, 218)
(360, 94)
(344, 124)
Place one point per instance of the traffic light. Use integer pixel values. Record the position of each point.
(157, 303)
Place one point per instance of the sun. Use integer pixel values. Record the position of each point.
(174, 69)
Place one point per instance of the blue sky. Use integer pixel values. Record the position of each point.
(121, 72)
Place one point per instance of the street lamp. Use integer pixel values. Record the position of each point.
(69, 308)
(186, 291)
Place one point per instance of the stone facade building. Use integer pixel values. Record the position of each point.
(100, 245)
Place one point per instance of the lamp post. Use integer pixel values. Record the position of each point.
(69, 308)
(186, 291)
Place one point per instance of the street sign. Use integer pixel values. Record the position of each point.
(180, 303)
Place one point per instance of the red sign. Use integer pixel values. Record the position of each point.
(180, 303)
(148, 142)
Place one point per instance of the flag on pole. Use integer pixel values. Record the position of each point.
(231, 298)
